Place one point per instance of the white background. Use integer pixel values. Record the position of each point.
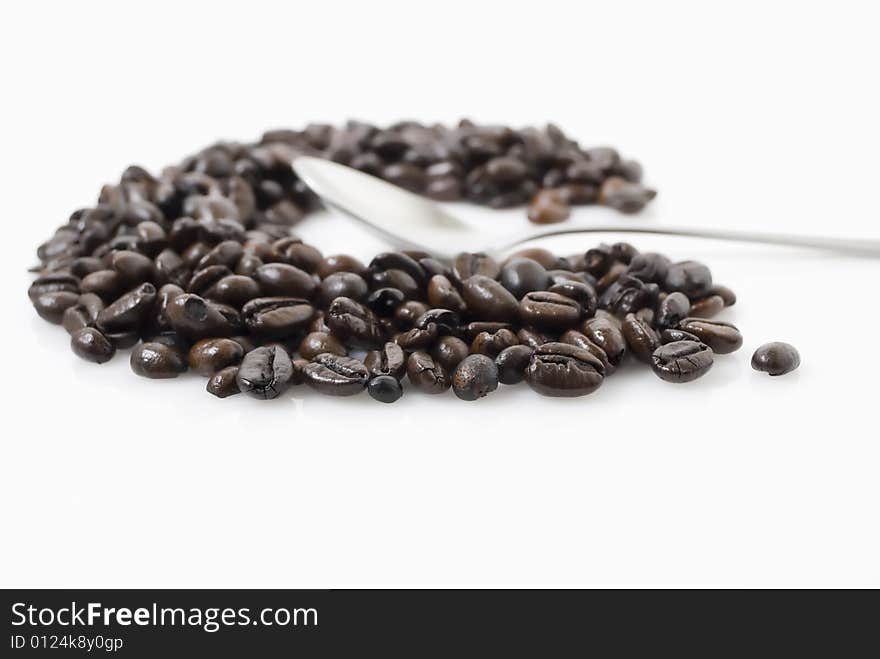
(760, 116)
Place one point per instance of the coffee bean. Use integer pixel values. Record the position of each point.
(418, 338)
(521, 275)
(383, 301)
(406, 314)
(548, 207)
(224, 382)
(157, 361)
(92, 346)
(197, 318)
(426, 374)
(441, 293)
(390, 359)
(475, 377)
(512, 362)
(723, 338)
(492, 343)
(681, 361)
(353, 322)
(265, 372)
(315, 343)
(670, 335)
(448, 351)
(466, 265)
(580, 292)
(707, 307)
(341, 284)
(51, 306)
(649, 267)
(340, 263)
(83, 314)
(724, 293)
(335, 375)
(282, 280)
(487, 299)
(208, 356)
(53, 283)
(550, 311)
(447, 321)
(385, 389)
(398, 279)
(640, 337)
(133, 268)
(129, 312)
(776, 358)
(560, 369)
(234, 290)
(690, 277)
(277, 317)
(398, 261)
(575, 338)
(608, 336)
(673, 309)
(628, 294)
(531, 337)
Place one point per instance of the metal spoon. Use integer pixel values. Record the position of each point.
(409, 221)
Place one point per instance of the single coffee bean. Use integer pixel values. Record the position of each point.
(385, 389)
(466, 265)
(776, 358)
(406, 314)
(51, 306)
(441, 293)
(606, 281)
(277, 317)
(157, 361)
(550, 311)
(622, 195)
(197, 318)
(448, 351)
(672, 309)
(582, 293)
(670, 335)
(398, 261)
(92, 346)
(54, 283)
(447, 321)
(399, 279)
(690, 277)
(646, 315)
(492, 343)
(128, 312)
(390, 359)
(723, 338)
(335, 375)
(628, 294)
(548, 207)
(208, 356)
(426, 374)
(204, 279)
(354, 323)
(681, 361)
(341, 284)
(724, 293)
(225, 253)
(487, 299)
(545, 257)
(533, 338)
(608, 336)
(133, 268)
(707, 307)
(649, 267)
(340, 263)
(418, 338)
(171, 269)
(315, 343)
(475, 377)
(83, 314)
(234, 290)
(512, 363)
(575, 338)
(224, 382)
(282, 280)
(640, 337)
(560, 369)
(265, 372)
(522, 275)
(383, 301)
(305, 257)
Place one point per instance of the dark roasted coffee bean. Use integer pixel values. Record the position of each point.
(492, 343)
(208, 356)
(225, 253)
(315, 343)
(105, 283)
(512, 362)
(426, 374)
(83, 314)
(449, 351)
(157, 361)
(340, 263)
(466, 265)
(418, 338)
(341, 284)
(707, 307)
(670, 335)
(282, 280)
(475, 377)
(128, 312)
(608, 336)
(51, 306)
(298, 373)
(447, 321)
(521, 275)
(385, 389)
(335, 375)
(606, 281)
(123, 340)
(672, 309)
(624, 196)
(690, 277)
(549, 206)
(560, 369)
(628, 294)
(487, 299)
(383, 301)
(776, 358)
(723, 338)
(640, 337)
(543, 256)
(583, 294)
(398, 261)
(265, 372)
(352, 322)
(224, 382)
(441, 293)
(407, 313)
(531, 337)
(724, 293)
(550, 311)
(387, 360)
(92, 346)
(398, 279)
(170, 268)
(444, 189)
(682, 361)
(234, 290)
(305, 257)
(53, 284)
(471, 330)
(133, 268)
(204, 279)
(598, 260)
(575, 338)
(277, 317)
(196, 318)
(646, 315)
(625, 253)
(506, 170)
(649, 267)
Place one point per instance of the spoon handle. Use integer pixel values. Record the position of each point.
(859, 247)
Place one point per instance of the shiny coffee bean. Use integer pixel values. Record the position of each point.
(628, 294)
(265, 372)
(234, 290)
(89, 344)
(448, 351)
(283, 280)
(398, 261)
(51, 306)
(560, 369)
(196, 318)
(670, 335)
(53, 283)
(682, 361)
(204, 279)
(672, 309)
(521, 275)
(383, 301)
(418, 338)
(335, 375)
(277, 317)
(512, 363)
(608, 336)
(385, 389)
(83, 314)
(487, 299)
(724, 293)
(776, 358)
(407, 313)
(492, 343)
(549, 311)
(390, 359)
(128, 312)
(575, 338)
(133, 268)
(354, 323)
(475, 377)
(315, 343)
(690, 277)
(707, 307)
(549, 206)
(208, 356)
(442, 293)
(640, 337)
(224, 382)
(650, 267)
(447, 321)
(580, 292)
(723, 338)
(426, 374)
(341, 284)
(157, 361)
(467, 264)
